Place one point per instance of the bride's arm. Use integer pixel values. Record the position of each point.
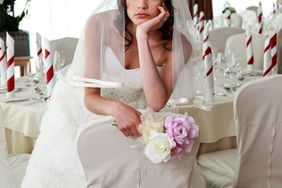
(157, 88)
(94, 102)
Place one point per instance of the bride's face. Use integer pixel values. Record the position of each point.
(140, 11)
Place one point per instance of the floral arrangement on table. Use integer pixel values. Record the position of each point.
(227, 6)
(167, 135)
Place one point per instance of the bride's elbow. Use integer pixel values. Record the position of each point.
(157, 106)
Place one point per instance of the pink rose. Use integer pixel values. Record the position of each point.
(182, 129)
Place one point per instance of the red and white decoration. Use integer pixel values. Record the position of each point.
(227, 18)
(201, 24)
(39, 48)
(250, 54)
(273, 44)
(207, 60)
(260, 21)
(10, 66)
(3, 63)
(48, 64)
(267, 63)
(195, 15)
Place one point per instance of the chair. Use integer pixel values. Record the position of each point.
(66, 45)
(237, 44)
(218, 37)
(236, 20)
(257, 161)
(249, 18)
(106, 164)
(252, 8)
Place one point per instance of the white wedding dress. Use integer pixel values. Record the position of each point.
(54, 162)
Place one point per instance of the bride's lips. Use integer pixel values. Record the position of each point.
(142, 15)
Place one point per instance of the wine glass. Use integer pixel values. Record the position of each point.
(59, 60)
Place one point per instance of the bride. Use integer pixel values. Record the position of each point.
(134, 53)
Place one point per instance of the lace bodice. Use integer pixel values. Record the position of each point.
(132, 92)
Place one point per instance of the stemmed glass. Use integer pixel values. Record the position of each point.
(59, 60)
(36, 79)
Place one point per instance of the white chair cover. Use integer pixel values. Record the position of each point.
(237, 44)
(236, 20)
(249, 18)
(66, 45)
(218, 37)
(256, 164)
(258, 115)
(252, 8)
(109, 166)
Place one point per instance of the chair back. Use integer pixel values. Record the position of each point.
(66, 45)
(109, 159)
(237, 44)
(258, 116)
(252, 8)
(218, 37)
(249, 18)
(236, 20)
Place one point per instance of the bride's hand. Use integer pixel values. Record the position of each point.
(127, 118)
(153, 24)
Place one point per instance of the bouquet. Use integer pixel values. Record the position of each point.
(166, 135)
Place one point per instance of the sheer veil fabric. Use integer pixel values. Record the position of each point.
(107, 22)
(54, 161)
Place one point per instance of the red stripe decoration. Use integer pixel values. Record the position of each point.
(267, 47)
(11, 84)
(39, 52)
(10, 61)
(260, 17)
(48, 64)
(250, 57)
(50, 74)
(210, 71)
(206, 39)
(10, 65)
(208, 51)
(251, 61)
(3, 55)
(267, 64)
(267, 71)
(260, 29)
(47, 53)
(273, 43)
(249, 41)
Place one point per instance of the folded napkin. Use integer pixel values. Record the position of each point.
(3, 63)
(48, 64)
(267, 58)
(208, 66)
(10, 66)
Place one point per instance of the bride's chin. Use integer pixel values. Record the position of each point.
(138, 22)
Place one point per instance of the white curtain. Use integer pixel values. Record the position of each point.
(55, 19)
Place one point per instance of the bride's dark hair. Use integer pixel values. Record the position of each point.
(166, 29)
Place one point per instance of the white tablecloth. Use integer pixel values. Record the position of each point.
(21, 119)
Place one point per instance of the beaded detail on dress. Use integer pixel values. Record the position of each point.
(132, 93)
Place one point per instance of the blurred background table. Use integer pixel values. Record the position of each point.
(22, 62)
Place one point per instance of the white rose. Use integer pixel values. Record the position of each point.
(159, 147)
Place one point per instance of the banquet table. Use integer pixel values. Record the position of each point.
(21, 117)
(216, 121)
